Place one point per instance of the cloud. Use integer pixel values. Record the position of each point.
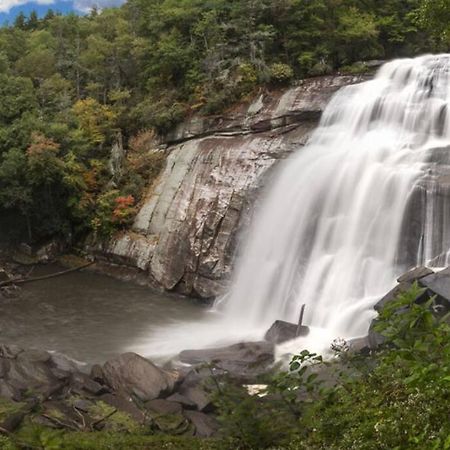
(86, 5)
(80, 5)
(6, 5)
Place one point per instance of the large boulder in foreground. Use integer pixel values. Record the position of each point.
(135, 375)
(244, 360)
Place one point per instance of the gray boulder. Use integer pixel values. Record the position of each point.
(438, 284)
(197, 395)
(9, 351)
(162, 406)
(374, 338)
(244, 360)
(82, 384)
(125, 404)
(360, 345)
(4, 276)
(205, 426)
(29, 375)
(405, 282)
(282, 331)
(435, 284)
(392, 295)
(182, 400)
(33, 372)
(415, 274)
(132, 374)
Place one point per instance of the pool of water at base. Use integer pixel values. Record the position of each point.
(89, 317)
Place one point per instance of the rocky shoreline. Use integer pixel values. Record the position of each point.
(51, 390)
(55, 391)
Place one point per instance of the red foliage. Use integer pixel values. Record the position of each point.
(124, 209)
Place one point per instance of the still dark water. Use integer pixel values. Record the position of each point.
(89, 317)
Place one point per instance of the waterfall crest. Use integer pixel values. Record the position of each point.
(365, 200)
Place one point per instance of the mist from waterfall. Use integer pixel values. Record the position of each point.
(346, 214)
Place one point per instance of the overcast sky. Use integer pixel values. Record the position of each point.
(10, 8)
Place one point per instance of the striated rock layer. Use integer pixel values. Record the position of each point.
(185, 234)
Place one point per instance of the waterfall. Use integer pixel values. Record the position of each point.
(363, 202)
(331, 233)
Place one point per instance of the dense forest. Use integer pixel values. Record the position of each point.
(73, 86)
(87, 103)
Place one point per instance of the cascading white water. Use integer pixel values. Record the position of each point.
(337, 226)
(329, 232)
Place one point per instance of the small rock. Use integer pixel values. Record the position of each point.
(45, 423)
(60, 411)
(415, 274)
(34, 356)
(164, 406)
(12, 422)
(198, 396)
(97, 374)
(205, 426)
(124, 404)
(3, 276)
(48, 251)
(181, 399)
(82, 382)
(172, 424)
(64, 363)
(282, 331)
(375, 339)
(4, 367)
(439, 284)
(359, 345)
(26, 249)
(82, 405)
(8, 392)
(9, 351)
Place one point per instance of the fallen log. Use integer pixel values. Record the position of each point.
(17, 281)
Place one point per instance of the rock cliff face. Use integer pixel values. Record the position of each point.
(185, 234)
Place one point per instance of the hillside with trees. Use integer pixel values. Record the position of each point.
(72, 86)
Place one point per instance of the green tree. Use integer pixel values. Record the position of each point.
(434, 17)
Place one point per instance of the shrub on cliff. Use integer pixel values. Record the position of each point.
(281, 73)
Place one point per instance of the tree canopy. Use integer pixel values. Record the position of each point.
(71, 84)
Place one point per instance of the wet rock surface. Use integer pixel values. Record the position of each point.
(438, 285)
(184, 237)
(245, 360)
(434, 285)
(282, 331)
(405, 282)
